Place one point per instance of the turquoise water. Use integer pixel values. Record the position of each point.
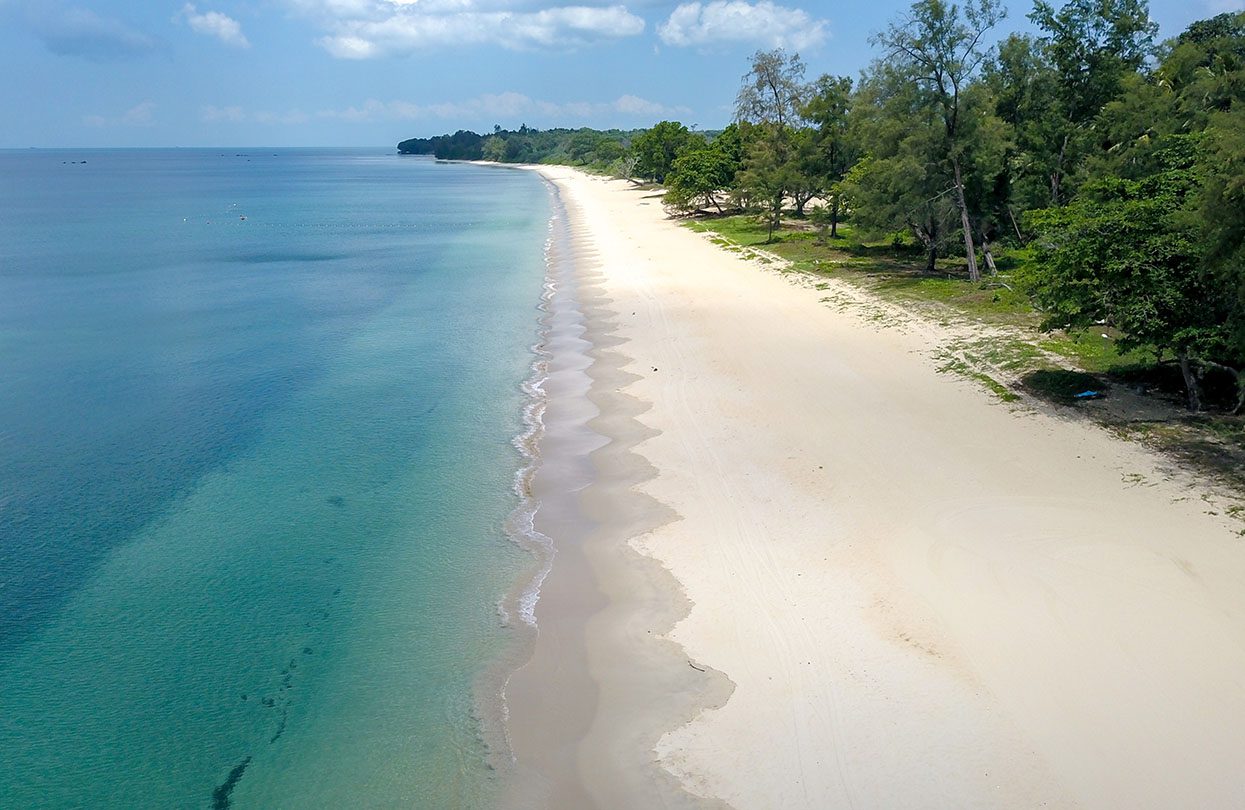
(256, 422)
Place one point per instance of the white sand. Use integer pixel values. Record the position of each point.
(924, 597)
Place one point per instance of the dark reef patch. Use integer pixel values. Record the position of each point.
(220, 796)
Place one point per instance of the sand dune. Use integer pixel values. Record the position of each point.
(921, 596)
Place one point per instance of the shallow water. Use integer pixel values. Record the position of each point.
(256, 456)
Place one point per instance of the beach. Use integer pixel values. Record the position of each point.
(809, 570)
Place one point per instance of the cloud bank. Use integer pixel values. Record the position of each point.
(736, 21)
(496, 106)
(367, 29)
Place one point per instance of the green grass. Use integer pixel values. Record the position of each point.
(1095, 351)
(892, 272)
(967, 371)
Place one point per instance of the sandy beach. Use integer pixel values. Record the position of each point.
(811, 571)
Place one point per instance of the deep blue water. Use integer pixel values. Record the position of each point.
(256, 411)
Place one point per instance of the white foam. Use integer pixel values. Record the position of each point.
(521, 524)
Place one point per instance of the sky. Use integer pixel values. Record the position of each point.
(112, 73)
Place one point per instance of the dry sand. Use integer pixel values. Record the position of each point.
(902, 592)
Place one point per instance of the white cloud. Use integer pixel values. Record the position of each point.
(503, 106)
(763, 22)
(140, 115)
(215, 24)
(634, 105)
(493, 107)
(366, 29)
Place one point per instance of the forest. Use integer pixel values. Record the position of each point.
(600, 150)
(1106, 167)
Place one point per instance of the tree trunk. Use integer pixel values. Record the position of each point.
(834, 217)
(1012, 214)
(1237, 377)
(970, 252)
(1191, 384)
(931, 256)
(1056, 177)
(989, 257)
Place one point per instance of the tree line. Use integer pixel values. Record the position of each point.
(1110, 164)
(602, 150)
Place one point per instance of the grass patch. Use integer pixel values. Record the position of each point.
(1096, 351)
(892, 272)
(963, 369)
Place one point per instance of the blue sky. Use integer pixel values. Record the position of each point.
(372, 72)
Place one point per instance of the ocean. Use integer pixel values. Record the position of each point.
(258, 419)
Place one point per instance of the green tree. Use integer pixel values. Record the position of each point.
(808, 168)
(656, 149)
(938, 47)
(768, 175)
(776, 158)
(901, 182)
(1221, 215)
(697, 177)
(1125, 252)
(730, 143)
(582, 146)
(494, 148)
(827, 109)
(1094, 46)
(773, 89)
(1024, 86)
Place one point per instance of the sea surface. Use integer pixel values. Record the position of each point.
(257, 422)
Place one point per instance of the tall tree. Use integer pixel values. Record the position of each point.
(1221, 209)
(1023, 83)
(901, 183)
(768, 174)
(770, 98)
(826, 109)
(1094, 46)
(773, 89)
(939, 47)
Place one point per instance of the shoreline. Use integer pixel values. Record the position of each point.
(815, 571)
(516, 608)
(582, 483)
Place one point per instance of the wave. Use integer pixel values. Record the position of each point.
(520, 525)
